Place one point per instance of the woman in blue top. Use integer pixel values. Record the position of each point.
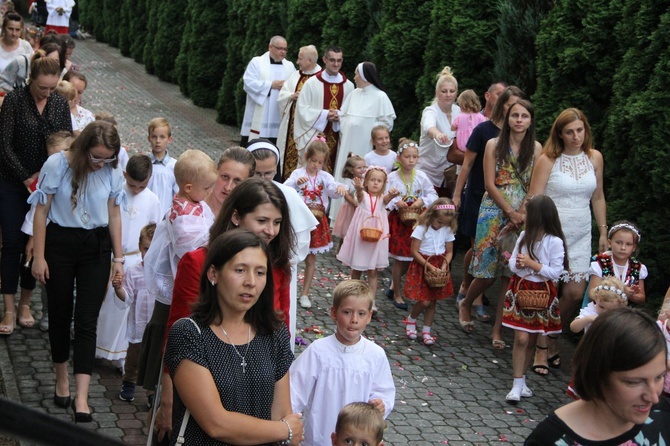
(79, 191)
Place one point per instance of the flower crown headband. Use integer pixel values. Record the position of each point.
(406, 145)
(379, 168)
(628, 226)
(613, 289)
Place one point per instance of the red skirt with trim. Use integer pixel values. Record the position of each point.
(416, 287)
(400, 241)
(320, 238)
(547, 321)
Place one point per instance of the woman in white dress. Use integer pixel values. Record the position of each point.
(436, 133)
(570, 171)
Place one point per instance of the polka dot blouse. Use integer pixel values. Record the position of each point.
(252, 392)
(24, 131)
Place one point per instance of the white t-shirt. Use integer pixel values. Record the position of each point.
(6, 57)
(385, 161)
(433, 241)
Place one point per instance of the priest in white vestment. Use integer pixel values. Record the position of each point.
(263, 78)
(365, 108)
(287, 101)
(319, 103)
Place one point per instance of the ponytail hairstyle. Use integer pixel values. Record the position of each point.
(350, 164)
(542, 218)
(41, 65)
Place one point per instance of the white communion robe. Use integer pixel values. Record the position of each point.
(311, 114)
(328, 375)
(285, 102)
(363, 110)
(137, 212)
(261, 113)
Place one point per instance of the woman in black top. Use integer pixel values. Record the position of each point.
(27, 118)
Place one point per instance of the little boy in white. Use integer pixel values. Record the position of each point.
(139, 208)
(133, 292)
(342, 368)
(163, 182)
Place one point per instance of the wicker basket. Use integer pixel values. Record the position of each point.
(371, 233)
(318, 210)
(533, 300)
(409, 216)
(435, 279)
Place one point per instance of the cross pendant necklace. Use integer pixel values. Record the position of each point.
(243, 364)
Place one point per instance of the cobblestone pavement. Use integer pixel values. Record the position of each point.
(450, 393)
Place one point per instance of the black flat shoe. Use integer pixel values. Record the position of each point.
(400, 305)
(80, 417)
(62, 401)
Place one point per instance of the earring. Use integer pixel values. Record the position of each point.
(213, 283)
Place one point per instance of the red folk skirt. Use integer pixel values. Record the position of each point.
(416, 287)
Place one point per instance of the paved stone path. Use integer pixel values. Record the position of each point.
(450, 393)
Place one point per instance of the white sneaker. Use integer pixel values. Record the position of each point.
(526, 392)
(305, 302)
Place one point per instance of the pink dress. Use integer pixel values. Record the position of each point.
(346, 212)
(464, 124)
(359, 254)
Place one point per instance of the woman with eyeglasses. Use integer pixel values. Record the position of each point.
(79, 192)
(28, 117)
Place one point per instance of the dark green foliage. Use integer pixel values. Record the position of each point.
(181, 63)
(637, 135)
(235, 62)
(305, 20)
(207, 55)
(90, 18)
(350, 24)
(124, 28)
(137, 10)
(152, 28)
(435, 57)
(519, 22)
(577, 61)
(170, 24)
(111, 18)
(397, 50)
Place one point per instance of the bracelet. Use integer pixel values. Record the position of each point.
(290, 434)
(120, 260)
(602, 226)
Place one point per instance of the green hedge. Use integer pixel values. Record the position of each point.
(167, 40)
(124, 28)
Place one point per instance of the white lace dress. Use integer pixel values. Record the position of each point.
(571, 184)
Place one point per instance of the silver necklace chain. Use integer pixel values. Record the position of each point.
(244, 361)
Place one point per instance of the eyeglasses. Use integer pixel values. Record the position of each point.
(280, 48)
(101, 160)
(266, 175)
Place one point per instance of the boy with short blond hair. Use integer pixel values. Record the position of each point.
(162, 182)
(342, 368)
(359, 423)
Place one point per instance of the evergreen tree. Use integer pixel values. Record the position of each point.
(397, 51)
(351, 24)
(637, 135)
(519, 22)
(171, 18)
(89, 16)
(305, 22)
(235, 63)
(110, 19)
(576, 61)
(138, 13)
(181, 63)
(152, 27)
(124, 28)
(207, 55)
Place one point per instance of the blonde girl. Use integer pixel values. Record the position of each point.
(620, 262)
(353, 168)
(357, 253)
(381, 154)
(537, 260)
(316, 187)
(408, 187)
(608, 295)
(432, 248)
(469, 118)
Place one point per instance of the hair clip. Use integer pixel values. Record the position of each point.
(613, 289)
(445, 207)
(320, 138)
(628, 226)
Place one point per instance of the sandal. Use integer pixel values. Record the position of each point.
(555, 361)
(539, 367)
(8, 328)
(26, 322)
(410, 329)
(427, 339)
(481, 314)
(498, 344)
(467, 326)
